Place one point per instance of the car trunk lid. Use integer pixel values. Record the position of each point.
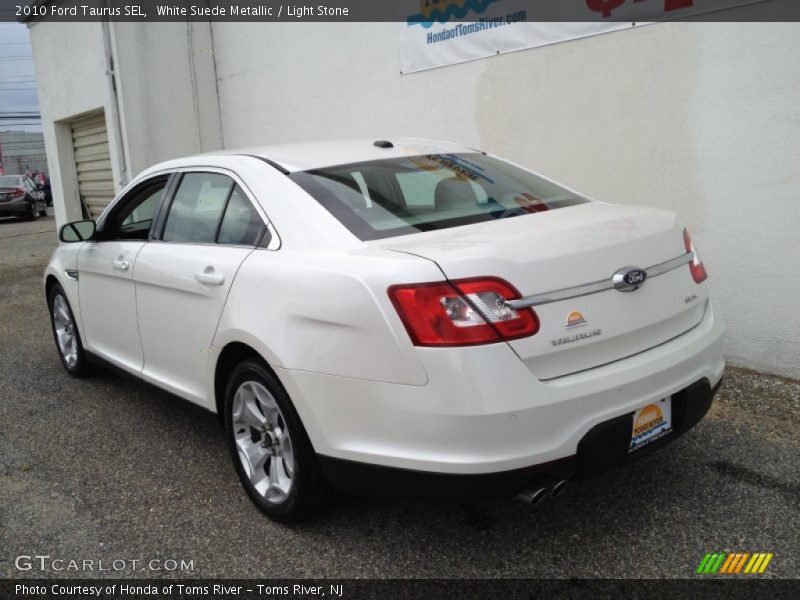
(569, 248)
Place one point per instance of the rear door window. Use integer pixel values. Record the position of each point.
(241, 224)
(196, 210)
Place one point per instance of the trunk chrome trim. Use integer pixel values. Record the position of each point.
(596, 286)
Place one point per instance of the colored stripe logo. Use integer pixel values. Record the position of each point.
(734, 563)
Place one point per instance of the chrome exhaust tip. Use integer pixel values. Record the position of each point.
(559, 487)
(533, 495)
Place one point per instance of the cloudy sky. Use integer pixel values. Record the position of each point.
(17, 80)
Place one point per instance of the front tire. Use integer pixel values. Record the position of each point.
(66, 334)
(269, 446)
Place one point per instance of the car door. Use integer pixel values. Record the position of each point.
(105, 270)
(183, 277)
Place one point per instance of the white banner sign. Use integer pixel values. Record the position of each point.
(446, 32)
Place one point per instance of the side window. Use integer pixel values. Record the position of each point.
(197, 208)
(133, 220)
(241, 224)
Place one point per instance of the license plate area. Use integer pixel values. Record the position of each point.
(650, 423)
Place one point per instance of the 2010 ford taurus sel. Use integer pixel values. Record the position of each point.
(394, 317)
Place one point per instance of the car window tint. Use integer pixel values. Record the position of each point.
(133, 221)
(430, 192)
(197, 208)
(9, 181)
(419, 188)
(241, 224)
(144, 210)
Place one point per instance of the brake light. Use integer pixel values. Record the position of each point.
(17, 192)
(464, 312)
(696, 265)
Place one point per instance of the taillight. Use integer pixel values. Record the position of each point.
(696, 265)
(464, 312)
(17, 192)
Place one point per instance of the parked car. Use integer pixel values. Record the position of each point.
(404, 318)
(19, 196)
(42, 180)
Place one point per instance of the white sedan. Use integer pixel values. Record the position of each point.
(394, 317)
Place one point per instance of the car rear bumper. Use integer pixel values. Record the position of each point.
(13, 207)
(603, 448)
(482, 412)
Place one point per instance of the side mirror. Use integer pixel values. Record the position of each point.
(77, 231)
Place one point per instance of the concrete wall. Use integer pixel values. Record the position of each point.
(68, 92)
(167, 91)
(701, 118)
(166, 101)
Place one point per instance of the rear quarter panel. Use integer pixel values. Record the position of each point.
(326, 312)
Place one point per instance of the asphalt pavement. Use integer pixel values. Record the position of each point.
(108, 468)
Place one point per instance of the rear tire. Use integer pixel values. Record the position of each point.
(31, 214)
(66, 334)
(269, 446)
(43, 212)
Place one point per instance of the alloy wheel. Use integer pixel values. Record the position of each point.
(262, 441)
(65, 331)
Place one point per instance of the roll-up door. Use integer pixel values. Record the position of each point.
(93, 161)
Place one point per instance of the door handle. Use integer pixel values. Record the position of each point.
(120, 265)
(209, 277)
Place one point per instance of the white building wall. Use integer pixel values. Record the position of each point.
(166, 95)
(167, 91)
(68, 92)
(701, 118)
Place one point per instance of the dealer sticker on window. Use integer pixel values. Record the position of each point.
(650, 423)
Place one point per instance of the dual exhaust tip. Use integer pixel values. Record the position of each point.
(533, 494)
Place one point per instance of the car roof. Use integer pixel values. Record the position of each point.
(303, 156)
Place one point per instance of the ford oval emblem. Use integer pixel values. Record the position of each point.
(629, 279)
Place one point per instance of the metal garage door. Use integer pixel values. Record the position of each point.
(93, 162)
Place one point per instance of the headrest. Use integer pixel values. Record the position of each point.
(454, 193)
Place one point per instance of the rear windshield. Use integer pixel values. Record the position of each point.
(10, 181)
(387, 198)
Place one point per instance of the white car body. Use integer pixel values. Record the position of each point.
(314, 306)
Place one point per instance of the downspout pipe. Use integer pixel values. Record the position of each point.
(114, 117)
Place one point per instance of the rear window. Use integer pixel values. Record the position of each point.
(10, 181)
(387, 198)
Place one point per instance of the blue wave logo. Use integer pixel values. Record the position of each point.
(455, 9)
